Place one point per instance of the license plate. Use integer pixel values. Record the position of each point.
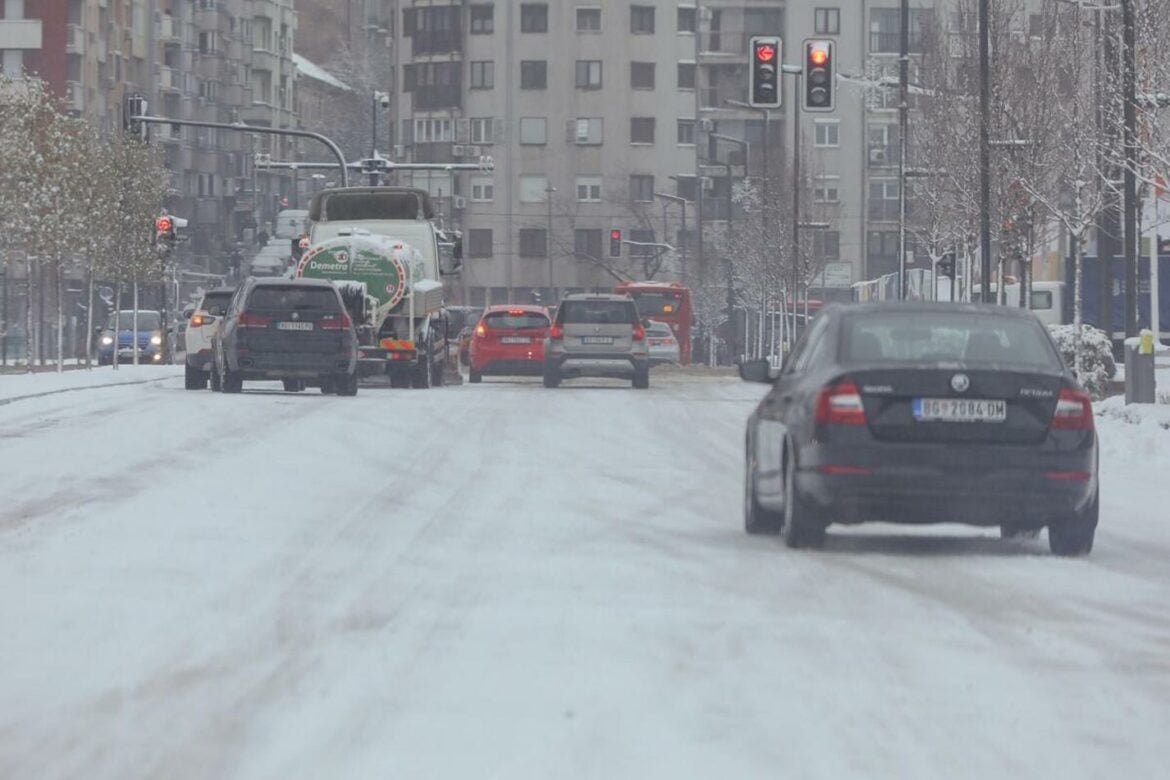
(959, 410)
(515, 340)
(597, 339)
(294, 326)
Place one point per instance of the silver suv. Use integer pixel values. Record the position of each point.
(597, 335)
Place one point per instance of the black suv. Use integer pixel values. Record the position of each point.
(295, 330)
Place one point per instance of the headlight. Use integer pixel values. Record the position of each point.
(107, 340)
(156, 339)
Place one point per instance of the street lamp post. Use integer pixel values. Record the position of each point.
(903, 130)
(984, 145)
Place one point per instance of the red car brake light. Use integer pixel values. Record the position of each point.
(556, 333)
(337, 323)
(840, 405)
(1074, 411)
(198, 320)
(247, 320)
(639, 332)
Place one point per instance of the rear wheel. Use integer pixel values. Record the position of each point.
(552, 377)
(475, 377)
(421, 378)
(642, 378)
(802, 528)
(756, 519)
(347, 384)
(1074, 537)
(193, 378)
(232, 381)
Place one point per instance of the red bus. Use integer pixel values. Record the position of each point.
(667, 302)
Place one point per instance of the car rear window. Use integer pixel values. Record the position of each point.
(216, 304)
(598, 313)
(658, 328)
(521, 319)
(959, 337)
(294, 299)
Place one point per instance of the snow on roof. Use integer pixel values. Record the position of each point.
(315, 71)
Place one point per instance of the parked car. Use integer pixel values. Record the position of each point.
(922, 413)
(294, 330)
(119, 341)
(597, 335)
(461, 325)
(661, 343)
(509, 341)
(200, 332)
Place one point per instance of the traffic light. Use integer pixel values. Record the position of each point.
(135, 105)
(615, 243)
(818, 76)
(946, 265)
(164, 233)
(764, 76)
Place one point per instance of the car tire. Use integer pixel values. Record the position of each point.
(641, 378)
(438, 373)
(475, 377)
(328, 386)
(552, 377)
(193, 378)
(756, 519)
(802, 528)
(346, 384)
(232, 381)
(422, 378)
(1074, 537)
(215, 381)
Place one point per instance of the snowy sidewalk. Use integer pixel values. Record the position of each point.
(14, 387)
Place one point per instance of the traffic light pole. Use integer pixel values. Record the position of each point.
(795, 205)
(984, 147)
(903, 130)
(243, 128)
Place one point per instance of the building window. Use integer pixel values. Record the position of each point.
(588, 20)
(642, 75)
(533, 74)
(686, 132)
(482, 19)
(589, 189)
(588, 74)
(533, 242)
(434, 131)
(885, 28)
(588, 243)
(641, 188)
(642, 19)
(483, 189)
(533, 130)
(479, 242)
(585, 131)
(686, 186)
(483, 74)
(827, 133)
(533, 17)
(206, 43)
(827, 21)
(686, 19)
(883, 200)
(642, 130)
(827, 189)
(826, 244)
(532, 189)
(481, 130)
(686, 75)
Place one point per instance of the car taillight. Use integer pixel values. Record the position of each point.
(1074, 411)
(197, 321)
(556, 333)
(480, 330)
(337, 323)
(639, 332)
(247, 320)
(840, 405)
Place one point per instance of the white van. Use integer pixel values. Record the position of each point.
(1047, 299)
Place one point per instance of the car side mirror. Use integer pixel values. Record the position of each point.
(756, 371)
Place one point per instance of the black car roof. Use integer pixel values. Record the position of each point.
(943, 307)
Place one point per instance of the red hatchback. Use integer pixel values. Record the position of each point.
(509, 341)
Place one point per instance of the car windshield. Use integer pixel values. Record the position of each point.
(516, 320)
(598, 313)
(272, 298)
(216, 304)
(943, 337)
(147, 320)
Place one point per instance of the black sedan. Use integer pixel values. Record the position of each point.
(922, 413)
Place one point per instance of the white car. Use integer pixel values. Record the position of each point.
(663, 346)
(201, 329)
(267, 265)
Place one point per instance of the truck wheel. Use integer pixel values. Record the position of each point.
(421, 377)
(327, 386)
(552, 377)
(347, 384)
(475, 377)
(193, 378)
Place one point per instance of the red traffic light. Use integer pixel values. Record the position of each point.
(765, 52)
(163, 224)
(615, 235)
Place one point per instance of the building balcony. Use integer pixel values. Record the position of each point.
(886, 210)
(437, 97)
(169, 30)
(74, 39)
(724, 44)
(170, 80)
(426, 43)
(265, 59)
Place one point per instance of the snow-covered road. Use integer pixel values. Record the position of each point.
(500, 581)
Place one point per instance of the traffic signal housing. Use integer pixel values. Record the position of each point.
(164, 232)
(615, 243)
(767, 52)
(819, 94)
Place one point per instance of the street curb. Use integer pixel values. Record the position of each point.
(47, 393)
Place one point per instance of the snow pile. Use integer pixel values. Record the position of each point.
(1097, 365)
(1155, 416)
